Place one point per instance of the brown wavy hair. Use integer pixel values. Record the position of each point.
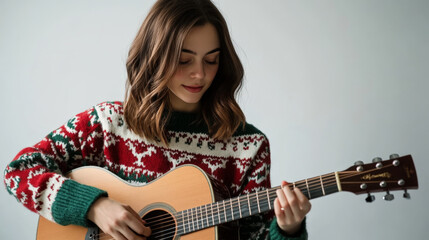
(153, 59)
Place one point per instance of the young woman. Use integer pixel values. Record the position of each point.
(180, 108)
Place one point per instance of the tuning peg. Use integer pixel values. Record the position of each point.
(396, 163)
(358, 165)
(370, 198)
(388, 196)
(406, 194)
(378, 161)
(394, 155)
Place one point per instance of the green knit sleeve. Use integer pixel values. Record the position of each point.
(277, 234)
(73, 201)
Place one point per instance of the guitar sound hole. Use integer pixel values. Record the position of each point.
(161, 223)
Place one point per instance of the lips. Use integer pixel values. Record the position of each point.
(193, 89)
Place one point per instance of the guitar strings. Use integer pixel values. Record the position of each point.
(218, 209)
(310, 183)
(271, 192)
(162, 218)
(202, 220)
(299, 184)
(172, 230)
(169, 234)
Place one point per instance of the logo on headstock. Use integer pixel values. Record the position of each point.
(373, 176)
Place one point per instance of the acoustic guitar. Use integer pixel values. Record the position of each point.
(186, 203)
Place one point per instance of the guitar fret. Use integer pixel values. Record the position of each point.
(257, 200)
(211, 206)
(204, 211)
(197, 224)
(232, 209)
(239, 207)
(196, 218)
(187, 220)
(195, 211)
(207, 216)
(321, 184)
(269, 201)
(184, 222)
(308, 190)
(189, 223)
(248, 203)
(224, 211)
(192, 219)
(202, 218)
(218, 211)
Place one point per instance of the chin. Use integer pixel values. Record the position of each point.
(191, 100)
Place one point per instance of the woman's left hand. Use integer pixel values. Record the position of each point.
(290, 207)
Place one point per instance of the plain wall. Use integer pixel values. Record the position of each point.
(329, 82)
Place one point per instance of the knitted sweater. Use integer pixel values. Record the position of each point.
(100, 137)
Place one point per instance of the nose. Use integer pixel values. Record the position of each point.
(198, 71)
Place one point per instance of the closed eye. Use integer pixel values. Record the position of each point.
(184, 62)
(211, 62)
(212, 59)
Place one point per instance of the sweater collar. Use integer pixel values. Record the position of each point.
(186, 122)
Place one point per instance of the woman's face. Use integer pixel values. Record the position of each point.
(198, 64)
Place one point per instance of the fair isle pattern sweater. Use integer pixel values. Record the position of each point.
(100, 137)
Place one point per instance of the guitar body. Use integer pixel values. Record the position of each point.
(180, 189)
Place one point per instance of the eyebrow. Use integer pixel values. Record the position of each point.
(192, 52)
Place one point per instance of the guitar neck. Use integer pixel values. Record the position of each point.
(228, 210)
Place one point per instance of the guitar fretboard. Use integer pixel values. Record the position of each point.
(228, 210)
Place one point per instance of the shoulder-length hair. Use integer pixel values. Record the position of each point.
(153, 59)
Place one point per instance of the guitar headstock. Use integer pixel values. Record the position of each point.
(397, 173)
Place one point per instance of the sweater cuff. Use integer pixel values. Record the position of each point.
(276, 233)
(73, 201)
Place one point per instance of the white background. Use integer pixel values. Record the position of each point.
(329, 82)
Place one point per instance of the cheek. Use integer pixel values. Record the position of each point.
(179, 73)
(211, 72)
(177, 78)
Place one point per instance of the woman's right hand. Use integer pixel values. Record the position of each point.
(118, 220)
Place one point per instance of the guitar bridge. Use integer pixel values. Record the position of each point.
(93, 233)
